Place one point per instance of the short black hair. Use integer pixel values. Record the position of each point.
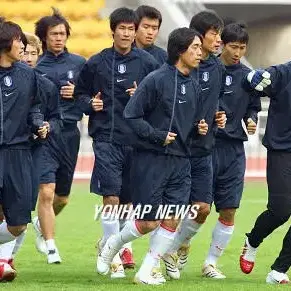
(179, 41)
(148, 12)
(9, 31)
(235, 32)
(206, 20)
(120, 15)
(43, 24)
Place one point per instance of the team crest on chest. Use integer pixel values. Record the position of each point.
(70, 75)
(7, 81)
(228, 80)
(205, 76)
(122, 68)
(183, 89)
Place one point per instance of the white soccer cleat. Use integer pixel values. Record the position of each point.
(148, 280)
(53, 257)
(117, 271)
(183, 255)
(157, 273)
(105, 257)
(116, 268)
(99, 245)
(210, 271)
(39, 241)
(171, 263)
(7, 274)
(41, 245)
(275, 277)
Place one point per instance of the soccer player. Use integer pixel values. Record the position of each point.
(20, 106)
(210, 75)
(103, 89)
(164, 113)
(149, 22)
(50, 110)
(277, 140)
(60, 153)
(228, 156)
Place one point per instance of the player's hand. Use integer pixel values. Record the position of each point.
(132, 90)
(68, 91)
(202, 127)
(97, 103)
(170, 138)
(47, 126)
(251, 126)
(220, 119)
(259, 79)
(42, 132)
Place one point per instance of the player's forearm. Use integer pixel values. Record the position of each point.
(143, 129)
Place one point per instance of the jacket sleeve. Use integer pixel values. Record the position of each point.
(85, 84)
(141, 104)
(52, 111)
(280, 78)
(254, 107)
(35, 117)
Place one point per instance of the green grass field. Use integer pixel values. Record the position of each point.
(77, 234)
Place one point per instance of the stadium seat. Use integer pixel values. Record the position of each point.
(89, 35)
(88, 47)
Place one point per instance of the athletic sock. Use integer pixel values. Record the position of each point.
(221, 236)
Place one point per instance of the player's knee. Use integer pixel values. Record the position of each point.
(17, 230)
(282, 215)
(203, 212)
(146, 226)
(46, 193)
(227, 215)
(61, 201)
(111, 200)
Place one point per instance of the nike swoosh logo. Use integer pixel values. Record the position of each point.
(43, 75)
(120, 80)
(181, 101)
(228, 92)
(203, 89)
(8, 94)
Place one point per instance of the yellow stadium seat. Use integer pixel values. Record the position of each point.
(88, 47)
(90, 28)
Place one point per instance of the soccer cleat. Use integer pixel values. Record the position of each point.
(99, 245)
(41, 245)
(275, 277)
(11, 263)
(210, 271)
(183, 254)
(171, 263)
(7, 274)
(157, 273)
(247, 258)
(105, 257)
(153, 279)
(39, 241)
(117, 271)
(53, 257)
(127, 259)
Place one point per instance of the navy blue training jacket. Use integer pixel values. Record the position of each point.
(20, 105)
(112, 74)
(241, 103)
(166, 101)
(61, 69)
